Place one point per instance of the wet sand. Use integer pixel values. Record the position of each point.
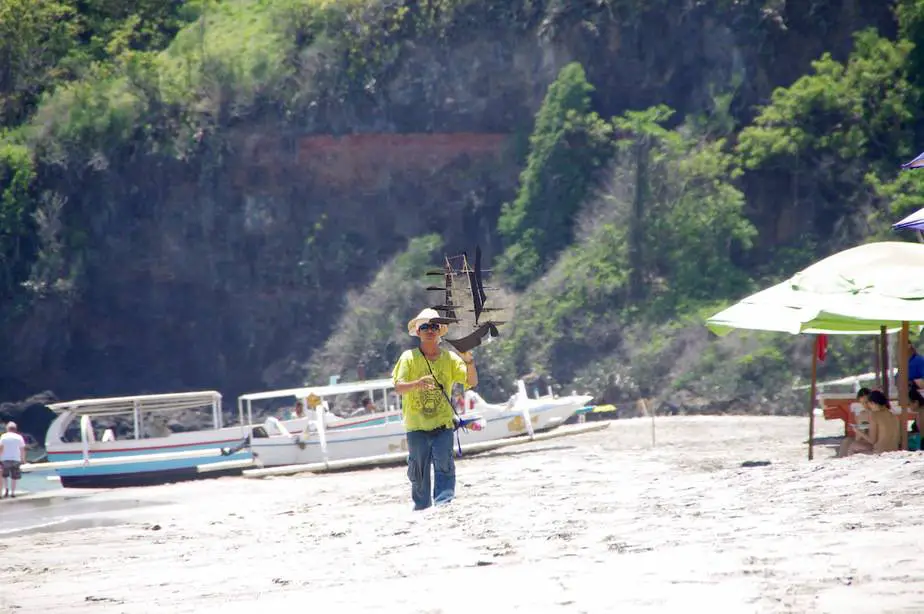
(725, 513)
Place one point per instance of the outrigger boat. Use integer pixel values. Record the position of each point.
(325, 437)
(152, 454)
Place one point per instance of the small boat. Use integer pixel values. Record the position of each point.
(521, 415)
(294, 440)
(326, 436)
(84, 457)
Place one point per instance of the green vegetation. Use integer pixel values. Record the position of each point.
(569, 144)
(834, 133)
(668, 236)
(657, 242)
(652, 191)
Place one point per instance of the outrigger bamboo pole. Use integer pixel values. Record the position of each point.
(399, 458)
(877, 357)
(903, 383)
(115, 460)
(884, 359)
(811, 404)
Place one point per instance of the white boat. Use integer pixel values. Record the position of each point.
(84, 457)
(327, 437)
(521, 415)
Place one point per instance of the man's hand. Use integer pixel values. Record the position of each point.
(427, 382)
(471, 373)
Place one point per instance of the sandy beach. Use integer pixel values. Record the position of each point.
(724, 513)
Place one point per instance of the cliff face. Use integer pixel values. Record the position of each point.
(193, 284)
(223, 271)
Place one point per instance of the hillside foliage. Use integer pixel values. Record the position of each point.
(647, 181)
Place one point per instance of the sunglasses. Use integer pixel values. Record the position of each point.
(425, 327)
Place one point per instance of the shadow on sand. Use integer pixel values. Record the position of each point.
(826, 441)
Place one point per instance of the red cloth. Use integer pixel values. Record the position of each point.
(821, 346)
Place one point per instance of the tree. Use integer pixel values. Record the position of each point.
(34, 36)
(819, 140)
(678, 212)
(569, 144)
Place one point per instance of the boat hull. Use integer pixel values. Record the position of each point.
(144, 477)
(150, 462)
(511, 423)
(389, 437)
(342, 444)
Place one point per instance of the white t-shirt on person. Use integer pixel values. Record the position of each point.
(13, 445)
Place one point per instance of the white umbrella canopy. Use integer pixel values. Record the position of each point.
(915, 221)
(853, 292)
(888, 269)
(881, 282)
(784, 310)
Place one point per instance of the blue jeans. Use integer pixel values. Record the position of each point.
(424, 448)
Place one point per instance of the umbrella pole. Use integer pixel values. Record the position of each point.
(884, 360)
(811, 408)
(877, 342)
(903, 396)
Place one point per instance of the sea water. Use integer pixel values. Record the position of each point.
(47, 507)
(37, 481)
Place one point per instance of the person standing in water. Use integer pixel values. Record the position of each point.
(12, 457)
(424, 378)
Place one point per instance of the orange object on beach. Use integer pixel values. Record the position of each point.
(839, 408)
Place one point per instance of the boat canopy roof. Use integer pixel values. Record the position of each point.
(322, 391)
(111, 406)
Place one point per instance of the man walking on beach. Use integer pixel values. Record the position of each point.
(424, 378)
(12, 456)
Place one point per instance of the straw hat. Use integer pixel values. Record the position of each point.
(427, 315)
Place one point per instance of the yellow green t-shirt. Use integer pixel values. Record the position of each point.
(425, 410)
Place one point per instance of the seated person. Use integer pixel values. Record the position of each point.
(884, 433)
(915, 368)
(154, 426)
(863, 398)
(366, 407)
(861, 419)
(296, 412)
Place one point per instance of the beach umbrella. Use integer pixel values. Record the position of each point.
(856, 291)
(875, 281)
(916, 163)
(862, 290)
(915, 221)
(785, 309)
